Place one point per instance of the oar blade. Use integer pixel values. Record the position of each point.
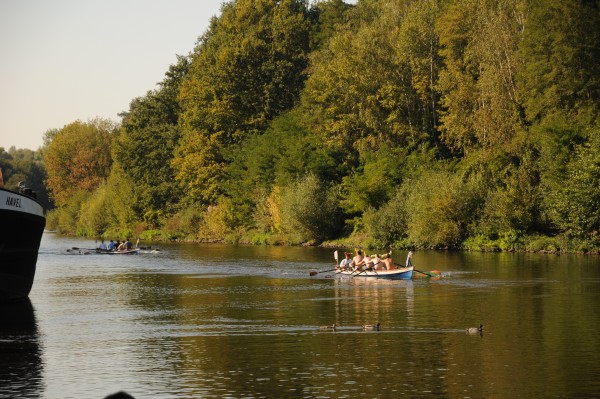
(313, 273)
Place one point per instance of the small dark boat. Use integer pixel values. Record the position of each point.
(23, 223)
(133, 251)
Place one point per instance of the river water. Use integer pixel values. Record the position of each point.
(221, 321)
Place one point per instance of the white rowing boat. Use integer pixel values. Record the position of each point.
(403, 273)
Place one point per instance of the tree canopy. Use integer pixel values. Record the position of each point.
(248, 68)
(78, 158)
(443, 123)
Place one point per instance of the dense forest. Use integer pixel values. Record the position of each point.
(467, 124)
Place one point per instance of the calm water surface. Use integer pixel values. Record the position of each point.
(218, 321)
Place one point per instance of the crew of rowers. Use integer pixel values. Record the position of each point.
(365, 262)
(116, 246)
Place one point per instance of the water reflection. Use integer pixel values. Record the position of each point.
(232, 321)
(20, 353)
(388, 299)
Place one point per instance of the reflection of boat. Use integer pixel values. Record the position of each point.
(403, 273)
(21, 363)
(133, 251)
(23, 223)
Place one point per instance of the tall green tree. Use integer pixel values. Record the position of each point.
(248, 68)
(577, 201)
(326, 16)
(371, 92)
(457, 80)
(418, 47)
(561, 58)
(145, 147)
(355, 89)
(286, 152)
(480, 41)
(514, 201)
(559, 84)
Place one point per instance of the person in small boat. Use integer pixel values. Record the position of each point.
(365, 264)
(111, 245)
(102, 246)
(358, 259)
(346, 262)
(128, 244)
(121, 246)
(377, 263)
(388, 262)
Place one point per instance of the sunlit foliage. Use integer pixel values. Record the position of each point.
(78, 158)
(389, 123)
(145, 147)
(246, 69)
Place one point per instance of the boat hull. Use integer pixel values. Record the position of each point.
(23, 221)
(404, 273)
(134, 251)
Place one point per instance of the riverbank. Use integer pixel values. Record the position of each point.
(525, 244)
(509, 242)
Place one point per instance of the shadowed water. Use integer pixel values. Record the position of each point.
(217, 321)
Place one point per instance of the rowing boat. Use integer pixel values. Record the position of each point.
(133, 251)
(403, 273)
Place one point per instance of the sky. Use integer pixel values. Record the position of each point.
(68, 60)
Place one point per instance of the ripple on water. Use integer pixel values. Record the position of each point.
(193, 323)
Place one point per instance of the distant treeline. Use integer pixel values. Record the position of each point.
(392, 123)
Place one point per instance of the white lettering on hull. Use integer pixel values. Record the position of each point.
(14, 202)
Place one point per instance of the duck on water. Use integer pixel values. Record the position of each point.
(372, 327)
(475, 330)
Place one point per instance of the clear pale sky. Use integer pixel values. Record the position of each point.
(68, 60)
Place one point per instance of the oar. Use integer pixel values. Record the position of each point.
(415, 270)
(335, 256)
(87, 249)
(375, 266)
(372, 269)
(362, 271)
(313, 273)
(354, 275)
(425, 273)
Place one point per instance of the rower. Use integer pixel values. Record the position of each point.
(346, 262)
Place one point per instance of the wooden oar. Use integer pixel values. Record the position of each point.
(86, 249)
(425, 273)
(354, 275)
(375, 266)
(313, 273)
(335, 256)
(415, 270)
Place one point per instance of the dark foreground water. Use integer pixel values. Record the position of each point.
(216, 321)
